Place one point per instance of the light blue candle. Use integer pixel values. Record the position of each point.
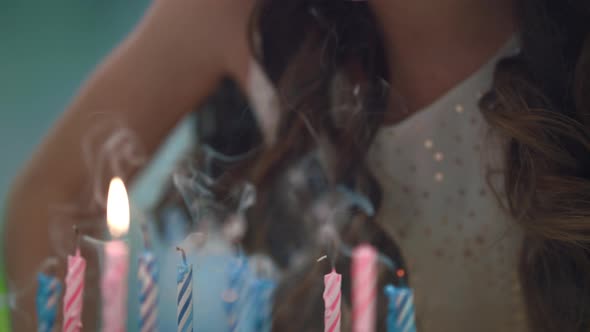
(261, 293)
(256, 314)
(184, 287)
(400, 312)
(47, 300)
(234, 297)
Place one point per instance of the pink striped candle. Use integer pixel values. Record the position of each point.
(364, 288)
(116, 265)
(114, 287)
(332, 295)
(73, 297)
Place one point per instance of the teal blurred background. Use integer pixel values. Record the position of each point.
(47, 49)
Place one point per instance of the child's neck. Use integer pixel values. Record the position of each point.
(433, 45)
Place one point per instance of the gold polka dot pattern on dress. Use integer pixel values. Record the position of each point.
(439, 177)
(444, 216)
(439, 156)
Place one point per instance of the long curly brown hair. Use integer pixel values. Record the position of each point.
(538, 102)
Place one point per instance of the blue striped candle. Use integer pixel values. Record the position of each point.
(184, 287)
(261, 292)
(256, 313)
(400, 312)
(234, 297)
(47, 300)
(148, 292)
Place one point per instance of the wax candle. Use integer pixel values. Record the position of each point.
(114, 279)
(148, 288)
(184, 288)
(256, 312)
(74, 295)
(364, 288)
(332, 298)
(233, 298)
(400, 312)
(49, 289)
(259, 315)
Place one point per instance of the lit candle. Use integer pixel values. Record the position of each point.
(47, 301)
(114, 279)
(364, 288)
(148, 291)
(332, 297)
(400, 312)
(74, 295)
(184, 288)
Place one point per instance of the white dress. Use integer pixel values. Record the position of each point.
(462, 249)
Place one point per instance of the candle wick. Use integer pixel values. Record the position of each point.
(94, 241)
(333, 258)
(146, 238)
(52, 269)
(77, 238)
(183, 253)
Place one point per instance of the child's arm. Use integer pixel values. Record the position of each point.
(174, 59)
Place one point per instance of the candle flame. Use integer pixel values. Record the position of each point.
(117, 208)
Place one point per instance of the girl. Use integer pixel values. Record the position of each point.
(470, 115)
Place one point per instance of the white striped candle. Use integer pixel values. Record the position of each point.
(332, 298)
(364, 288)
(74, 295)
(47, 301)
(148, 293)
(400, 312)
(184, 288)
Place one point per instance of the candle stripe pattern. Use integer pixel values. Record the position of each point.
(261, 295)
(114, 287)
(400, 312)
(364, 288)
(236, 292)
(256, 313)
(148, 292)
(332, 298)
(185, 298)
(74, 294)
(47, 301)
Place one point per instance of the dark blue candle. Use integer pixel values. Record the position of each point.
(400, 312)
(48, 292)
